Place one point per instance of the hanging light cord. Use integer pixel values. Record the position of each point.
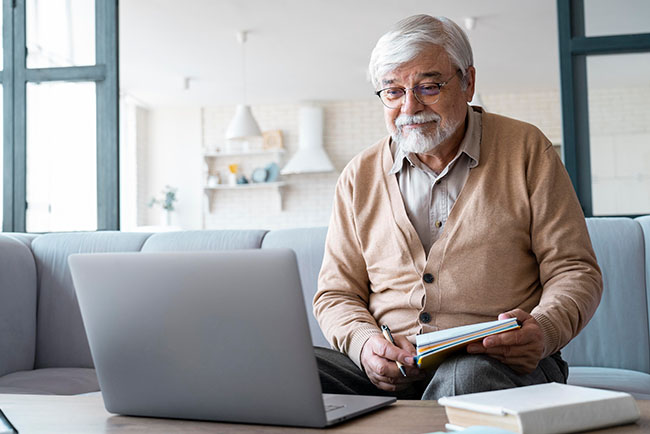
(242, 39)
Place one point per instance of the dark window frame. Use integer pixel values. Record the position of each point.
(15, 77)
(574, 49)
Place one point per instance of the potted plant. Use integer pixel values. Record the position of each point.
(166, 202)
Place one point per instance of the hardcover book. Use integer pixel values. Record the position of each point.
(541, 409)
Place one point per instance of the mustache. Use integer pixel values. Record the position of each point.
(420, 118)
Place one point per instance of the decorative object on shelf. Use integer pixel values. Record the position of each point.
(310, 156)
(259, 175)
(166, 202)
(243, 125)
(272, 139)
(214, 180)
(272, 171)
(242, 180)
(232, 175)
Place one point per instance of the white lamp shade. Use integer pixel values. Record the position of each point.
(310, 156)
(243, 124)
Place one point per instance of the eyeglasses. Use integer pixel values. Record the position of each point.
(425, 93)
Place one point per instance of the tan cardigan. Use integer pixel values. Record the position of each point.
(515, 238)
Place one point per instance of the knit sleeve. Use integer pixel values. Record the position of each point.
(341, 302)
(568, 271)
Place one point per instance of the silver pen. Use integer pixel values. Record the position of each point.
(389, 337)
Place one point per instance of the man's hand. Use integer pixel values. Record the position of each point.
(520, 349)
(378, 358)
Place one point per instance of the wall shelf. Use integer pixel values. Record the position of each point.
(249, 186)
(248, 160)
(211, 192)
(243, 153)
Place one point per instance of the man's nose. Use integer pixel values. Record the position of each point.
(411, 105)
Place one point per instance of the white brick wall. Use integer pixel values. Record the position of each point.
(349, 127)
(619, 124)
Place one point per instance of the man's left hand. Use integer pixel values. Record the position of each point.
(520, 349)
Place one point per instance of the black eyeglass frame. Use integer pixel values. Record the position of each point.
(413, 89)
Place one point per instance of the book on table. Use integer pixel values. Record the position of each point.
(432, 348)
(541, 409)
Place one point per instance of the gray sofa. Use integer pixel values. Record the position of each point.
(43, 345)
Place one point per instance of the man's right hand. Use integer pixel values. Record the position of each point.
(378, 358)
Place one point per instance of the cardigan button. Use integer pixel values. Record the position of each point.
(428, 278)
(425, 317)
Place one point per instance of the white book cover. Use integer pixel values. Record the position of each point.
(552, 407)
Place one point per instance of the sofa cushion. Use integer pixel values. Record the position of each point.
(617, 335)
(204, 240)
(624, 380)
(51, 381)
(645, 227)
(309, 245)
(61, 338)
(17, 306)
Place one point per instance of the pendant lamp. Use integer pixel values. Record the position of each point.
(243, 124)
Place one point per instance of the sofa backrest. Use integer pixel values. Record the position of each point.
(645, 227)
(309, 245)
(17, 305)
(204, 240)
(61, 338)
(608, 340)
(617, 336)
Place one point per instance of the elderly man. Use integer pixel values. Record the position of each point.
(459, 216)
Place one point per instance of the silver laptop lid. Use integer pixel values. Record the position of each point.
(206, 335)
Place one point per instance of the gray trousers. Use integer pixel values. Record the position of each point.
(457, 375)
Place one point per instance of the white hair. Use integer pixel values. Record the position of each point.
(413, 35)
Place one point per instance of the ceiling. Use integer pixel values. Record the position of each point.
(306, 50)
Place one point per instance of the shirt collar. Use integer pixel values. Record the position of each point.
(470, 145)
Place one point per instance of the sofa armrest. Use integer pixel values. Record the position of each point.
(18, 282)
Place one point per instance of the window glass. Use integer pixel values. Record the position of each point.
(619, 133)
(61, 157)
(620, 17)
(60, 33)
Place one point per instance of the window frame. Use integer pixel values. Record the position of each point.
(14, 78)
(574, 49)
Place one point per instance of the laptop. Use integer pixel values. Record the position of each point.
(219, 336)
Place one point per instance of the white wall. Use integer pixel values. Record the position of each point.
(173, 158)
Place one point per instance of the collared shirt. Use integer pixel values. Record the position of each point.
(429, 196)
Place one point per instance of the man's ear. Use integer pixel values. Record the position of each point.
(471, 81)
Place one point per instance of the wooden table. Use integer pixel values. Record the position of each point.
(86, 414)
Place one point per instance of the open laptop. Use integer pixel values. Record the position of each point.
(217, 336)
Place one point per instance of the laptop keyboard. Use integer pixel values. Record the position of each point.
(332, 407)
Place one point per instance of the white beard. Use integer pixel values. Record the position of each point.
(417, 141)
